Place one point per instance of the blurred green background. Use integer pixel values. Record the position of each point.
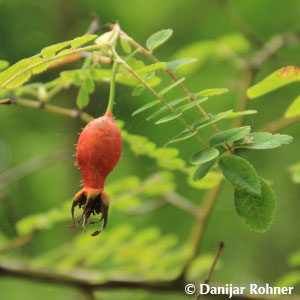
(27, 26)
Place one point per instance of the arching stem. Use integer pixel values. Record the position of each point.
(112, 88)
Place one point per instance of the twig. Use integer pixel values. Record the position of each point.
(31, 166)
(7, 101)
(240, 22)
(207, 280)
(73, 113)
(200, 226)
(147, 207)
(16, 243)
(183, 203)
(73, 279)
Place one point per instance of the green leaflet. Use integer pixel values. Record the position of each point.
(125, 44)
(168, 118)
(237, 114)
(171, 86)
(182, 136)
(204, 156)
(211, 120)
(138, 90)
(191, 104)
(212, 92)
(203, 169)
(151, 68)
(89, 84)
(87, 87)
(50, 51)
(82, 99)
(228, 135)
(158, 38)
(263, 140)
(256, 210)
(240, 173)
(175, 64)
(81, 40)
(210, 180)
(277, 79)
(145, 107)
(165, 108)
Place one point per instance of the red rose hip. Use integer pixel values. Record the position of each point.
(98, 151)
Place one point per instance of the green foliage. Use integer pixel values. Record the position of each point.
(277, 79)
(182, 136)
(241, 114)
(229, 135)
(3, 64)
(212, 92)
(171, 86)
(191, 104)
(150, 68)
(168, 118)
(138, 90)
(43, 220)
(295, 172)
(126, 248)
(165, 108)
(256, 210)
(19, 73)
(203, 169)
(222, 48)
(82, 99)
(204, 156)
(164, 157)
(240, 173)
(263, 140)
(211, 179)
(175, 64)
(158, 38)
(145, 107)
(125, 44)
(294, 109)
(211, 120)
(291, 279)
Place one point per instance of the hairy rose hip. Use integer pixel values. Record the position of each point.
(98, 151)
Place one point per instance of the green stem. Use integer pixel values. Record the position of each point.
(111, 99)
